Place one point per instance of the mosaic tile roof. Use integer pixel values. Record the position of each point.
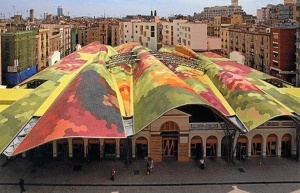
(106, 92)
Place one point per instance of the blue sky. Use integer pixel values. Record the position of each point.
(117, 8)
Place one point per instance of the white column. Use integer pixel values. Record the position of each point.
(133, 147)
(279, 147)
(204, 148)
(219, 148)
(24, 154)
(85, 146)
(264, 147)
(70, 145)
(249, 145)
(54, 147)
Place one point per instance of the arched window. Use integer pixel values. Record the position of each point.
(169, 126)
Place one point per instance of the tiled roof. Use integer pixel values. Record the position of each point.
(96, 93)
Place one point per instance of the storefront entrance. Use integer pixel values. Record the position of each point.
(170, 146)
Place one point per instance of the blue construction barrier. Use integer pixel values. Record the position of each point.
(14, 78)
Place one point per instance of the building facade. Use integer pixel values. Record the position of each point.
(18, 56)
(282, 54)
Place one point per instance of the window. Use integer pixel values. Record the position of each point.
(152, 34)
(152, 28)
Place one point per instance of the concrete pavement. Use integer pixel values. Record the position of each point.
(271, 170)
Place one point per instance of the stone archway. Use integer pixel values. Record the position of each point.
(141, 148)
(256, 145)
(211, 146)
(196, 148)
(241, 147)
(271, 145)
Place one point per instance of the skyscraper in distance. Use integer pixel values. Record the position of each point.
(59, 11)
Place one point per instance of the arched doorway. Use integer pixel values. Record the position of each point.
(141, 148)
(256, 147)
(271, 148)
(110, 148)
(241, 147)
(224, 147)
(211, 146)
(93, 153)
(286, 145)
(123, 152)
(196, 148)
(62, 149)
(169, 132)
(78, 148)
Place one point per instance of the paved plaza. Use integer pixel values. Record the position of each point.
(80, 176)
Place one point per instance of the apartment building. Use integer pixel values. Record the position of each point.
(194, 36)
(224, 34)
(170, 32)
(282, 53)
(82, 35)
(145, 33)
(18, 56)
(211, 12)
(43, 48)
(253, 43)
(115, 34)
(65, 37)
(92, 34)
(103, 31)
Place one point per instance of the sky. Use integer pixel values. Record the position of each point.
(120, 8)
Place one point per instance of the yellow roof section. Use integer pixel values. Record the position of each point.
(10, 95)
(292, 91)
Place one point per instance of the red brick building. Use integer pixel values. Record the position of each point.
(282, 53)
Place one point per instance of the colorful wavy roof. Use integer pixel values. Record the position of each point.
(106, 92)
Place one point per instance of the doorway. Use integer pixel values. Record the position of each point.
(93, 150)
(256, 146)
(271, 149)
(286, 145)
(170, 146)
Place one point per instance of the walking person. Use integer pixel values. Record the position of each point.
(151, 164)
(202, 164)
(21, 184)
(148, 168)
(112, 174)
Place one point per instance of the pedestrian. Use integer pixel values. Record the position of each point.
(202, 164)
(151, 164)
(148, 168)
(112, 174)
(21, 184)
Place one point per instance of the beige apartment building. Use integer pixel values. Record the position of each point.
(92, 34)
(82, 35)
(103, 32)
(224, 34)
(65, 37)
(254, 44)
(194, 36)
(43, 48)
(115, 34)
(191, 34)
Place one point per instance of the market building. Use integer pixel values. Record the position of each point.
(128, 102)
